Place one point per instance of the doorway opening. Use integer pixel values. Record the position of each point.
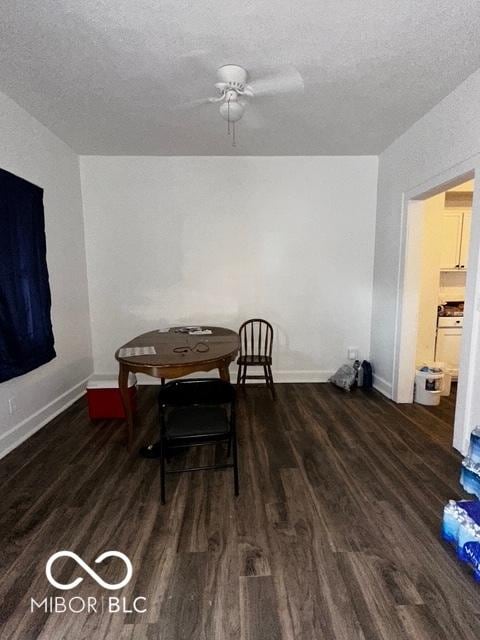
(437, 287)
(445, 244)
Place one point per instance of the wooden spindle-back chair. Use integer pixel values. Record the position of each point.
(256, 343)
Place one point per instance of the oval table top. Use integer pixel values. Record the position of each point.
(175, 349)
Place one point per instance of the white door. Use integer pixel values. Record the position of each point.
(449, 341)
(451, 239)
(467, 221)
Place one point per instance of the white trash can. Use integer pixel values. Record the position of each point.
(428, 387)
(448, 374)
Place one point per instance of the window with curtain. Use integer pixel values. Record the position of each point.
(26, 336)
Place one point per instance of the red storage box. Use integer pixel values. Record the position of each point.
(103, 396)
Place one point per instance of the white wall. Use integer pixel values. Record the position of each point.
(445, 142)
(429, 277)
(29, 150)
(218, 240)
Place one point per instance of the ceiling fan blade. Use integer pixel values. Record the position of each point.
(197, 65)
(286, 80)
(199, 60)
(199, 102)
(253, 118)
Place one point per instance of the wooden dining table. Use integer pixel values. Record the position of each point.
(174, 353)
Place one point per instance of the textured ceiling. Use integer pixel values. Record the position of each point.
(111, 76)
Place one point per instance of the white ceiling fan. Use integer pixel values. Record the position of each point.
(235, 89)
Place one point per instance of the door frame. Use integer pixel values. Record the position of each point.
(408, 296)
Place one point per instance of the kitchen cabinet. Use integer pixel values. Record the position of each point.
(455, 239)
(449, 340)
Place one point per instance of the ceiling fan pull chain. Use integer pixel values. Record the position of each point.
(234, 142)
(228, 118)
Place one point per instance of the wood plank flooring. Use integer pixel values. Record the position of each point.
(335, 535)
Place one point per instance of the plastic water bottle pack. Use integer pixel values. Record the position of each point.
(461, 520)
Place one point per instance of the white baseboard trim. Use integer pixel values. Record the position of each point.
(383, 386)
(23, 430)
(315, 375)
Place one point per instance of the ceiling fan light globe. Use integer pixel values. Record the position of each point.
(232, 112)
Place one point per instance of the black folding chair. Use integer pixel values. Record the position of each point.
(195, 413)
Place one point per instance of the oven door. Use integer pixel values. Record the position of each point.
(449, 342)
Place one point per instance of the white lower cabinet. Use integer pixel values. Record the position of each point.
(449, 342)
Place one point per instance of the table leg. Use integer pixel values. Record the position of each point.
(224, 372)
(127, 405)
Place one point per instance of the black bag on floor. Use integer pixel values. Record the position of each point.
(365, 377)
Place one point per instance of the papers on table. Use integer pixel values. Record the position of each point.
(193, 331)
(128, 352)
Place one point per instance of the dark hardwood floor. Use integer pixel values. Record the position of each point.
(335, 535)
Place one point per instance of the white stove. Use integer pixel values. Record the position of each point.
(449, 335)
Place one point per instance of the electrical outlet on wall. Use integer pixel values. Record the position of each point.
(12, 406)
(352, 353)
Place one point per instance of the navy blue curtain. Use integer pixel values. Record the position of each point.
(26, 336)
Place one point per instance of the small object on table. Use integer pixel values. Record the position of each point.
(193, 331)
(128, 352)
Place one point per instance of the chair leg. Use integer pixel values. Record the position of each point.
(265, 375)
(162, 471)
(271, 384)
(244, 376)
(269, 379)
(239, 375)
(242, 372)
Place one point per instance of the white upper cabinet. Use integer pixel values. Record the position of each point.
(455, 239)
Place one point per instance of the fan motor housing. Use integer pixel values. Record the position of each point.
(233, 75)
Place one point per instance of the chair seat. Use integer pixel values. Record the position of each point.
(194, 424)
(255, 361)
(190, 392)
